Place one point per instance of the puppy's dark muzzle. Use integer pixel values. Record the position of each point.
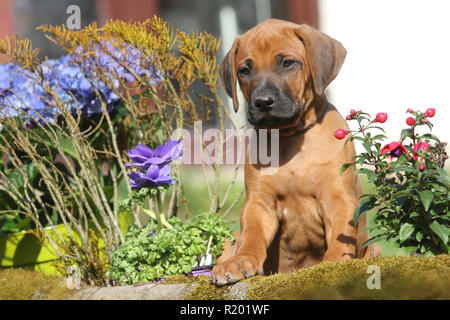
(264, 103)
(271, 106)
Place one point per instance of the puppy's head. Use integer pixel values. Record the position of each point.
(281, 67)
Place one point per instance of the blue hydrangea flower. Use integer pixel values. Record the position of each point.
(18, 92)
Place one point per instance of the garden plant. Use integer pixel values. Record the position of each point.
(66, 125)
(163, 247)
(410, 195)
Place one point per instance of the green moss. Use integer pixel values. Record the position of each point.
(21, 284)
(401, 278)
(203, 289)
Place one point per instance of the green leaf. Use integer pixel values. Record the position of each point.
(440, 230)
(405, 168)
(357, 138)
(367, 147)
(419, 236)
(67, 146)
(400, 200)
(369, 173)
(430, 136)
(376, 127)
(374, 239)
(379, 137)
(414, 215)
(405, 231)
(345, 166)
(364, 206)
(426, 197)
(406, 133)
(404, 194)
(443, 175)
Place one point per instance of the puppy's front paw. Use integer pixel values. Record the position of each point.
(234, 269)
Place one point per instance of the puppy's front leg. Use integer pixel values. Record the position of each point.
(258, 227)
(341, 235)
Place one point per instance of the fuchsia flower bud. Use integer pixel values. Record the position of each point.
(422, 166)
(410, 121)
(381, 117)
(352, 112)
(340, 133)
(410, 110)
(349, 117)
(430, 112)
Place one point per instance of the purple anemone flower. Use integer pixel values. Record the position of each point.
(152, 178)
(143, 156)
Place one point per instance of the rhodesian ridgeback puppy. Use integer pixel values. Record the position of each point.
(302, 214)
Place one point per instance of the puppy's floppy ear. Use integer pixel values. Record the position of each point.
(325, 55)
(228, 73)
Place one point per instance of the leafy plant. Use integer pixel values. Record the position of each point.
(65, 126)
(163, 247)
(411, 197)
(152, 252)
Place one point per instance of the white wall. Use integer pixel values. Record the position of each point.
(398, 56)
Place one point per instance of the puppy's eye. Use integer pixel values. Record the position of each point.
(289, 64)
(243, 71)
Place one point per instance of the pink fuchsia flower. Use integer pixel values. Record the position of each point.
(430, 112)
(422, 166)
(410, 121)
(381, 117)
(419, 146)
(395, 150)
(340, 133)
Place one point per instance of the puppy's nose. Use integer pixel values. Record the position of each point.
(264, 103)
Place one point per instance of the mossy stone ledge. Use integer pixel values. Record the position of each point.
(400, 278)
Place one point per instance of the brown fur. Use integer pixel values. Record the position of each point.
(303, 214)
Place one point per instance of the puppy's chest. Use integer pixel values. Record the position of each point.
(297, 178)
(301, 232)
(295, 191)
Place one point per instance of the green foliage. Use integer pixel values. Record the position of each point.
(70, 169)
(150, 253)
(139, 196)
(411, 197)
